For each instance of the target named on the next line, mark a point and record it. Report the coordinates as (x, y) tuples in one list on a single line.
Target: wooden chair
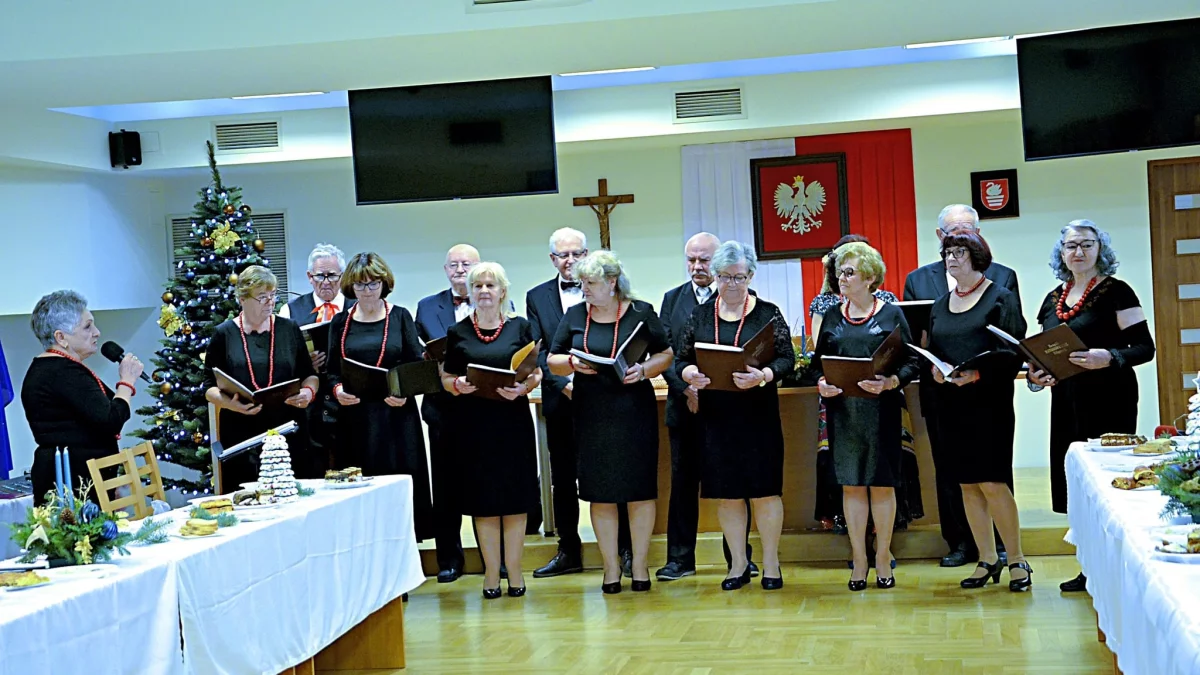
[(134, 501), (150, 478)]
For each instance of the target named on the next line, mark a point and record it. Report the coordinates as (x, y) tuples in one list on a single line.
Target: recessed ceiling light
[(951, 43), (302, 93), (609, 71)]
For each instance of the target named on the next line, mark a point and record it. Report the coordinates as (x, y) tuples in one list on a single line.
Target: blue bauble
[(88, 511), (109, 531), (190, 275)]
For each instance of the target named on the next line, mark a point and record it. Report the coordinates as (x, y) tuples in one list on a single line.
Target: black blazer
[(435, 316), (676, 308), (302, 307), (544, 307), (928, 282)]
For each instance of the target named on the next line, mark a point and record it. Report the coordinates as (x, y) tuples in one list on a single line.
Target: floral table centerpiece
[(77, 532)]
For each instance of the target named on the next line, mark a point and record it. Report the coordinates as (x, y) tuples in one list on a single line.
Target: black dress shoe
[(753, 568), (627, 564), (515, 592), (611, 589), (992, 572), (449, 575), (561, 563), (957, 558), (772, 583), (1076, 585), (674, 570), (640, 586), (734, 583), (491, 593), (1019, 585)]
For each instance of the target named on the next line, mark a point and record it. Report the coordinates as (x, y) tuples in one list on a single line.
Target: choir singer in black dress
[(975, 407), (742, 433), (1107, 316), (382, 437), (67, 404), (865, 434), (259, 349), (494, 440), (616, 421)]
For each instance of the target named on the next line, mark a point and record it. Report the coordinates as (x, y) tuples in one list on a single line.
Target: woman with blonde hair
[(616, 418), (495, 438), (259, 349)]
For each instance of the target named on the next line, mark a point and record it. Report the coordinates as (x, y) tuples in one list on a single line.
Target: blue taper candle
[(58, 477), (66, 460)]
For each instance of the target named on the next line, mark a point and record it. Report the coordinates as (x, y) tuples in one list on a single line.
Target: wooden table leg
[(1100, 635), (376, 643)]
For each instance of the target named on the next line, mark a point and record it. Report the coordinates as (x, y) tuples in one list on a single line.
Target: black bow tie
[(568, 285), (461, 300)]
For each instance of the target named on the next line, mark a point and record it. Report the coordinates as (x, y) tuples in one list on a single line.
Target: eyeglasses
[(737, 280), (846, 272), (268, 298), (569, 254), (326, 277), (958, 252), (369, 286), (1072, 246), (459, 265), (698, 261)]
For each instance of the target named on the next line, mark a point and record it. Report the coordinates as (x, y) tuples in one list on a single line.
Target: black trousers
[(683, 510), (564, 486), (447, 519), (951, 511)]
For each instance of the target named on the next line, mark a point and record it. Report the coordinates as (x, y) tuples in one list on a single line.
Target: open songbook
[(252, 442), (271, 396), (630, 352), (720, 362), (488, 379), (976, 362), (845, 372), (1049, 351), (316, 336), (372, 383)]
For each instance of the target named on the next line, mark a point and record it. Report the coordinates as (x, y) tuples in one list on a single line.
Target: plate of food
[(1115, 442), (250, 500), (214, 505), (1155, 448), (345, 479), (1143, 478), (1178, 545), (197, 528), (22, 581)]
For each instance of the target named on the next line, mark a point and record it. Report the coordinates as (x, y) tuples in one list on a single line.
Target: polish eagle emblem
[(800, 204)]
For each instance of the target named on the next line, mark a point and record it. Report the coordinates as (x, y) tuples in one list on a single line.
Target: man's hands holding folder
[(874, 387)]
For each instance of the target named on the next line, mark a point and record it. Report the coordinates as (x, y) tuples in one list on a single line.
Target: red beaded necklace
[(587, 328), (963, 294), (382, 346), (1077, 307), (91, 372), (737, 337), (859, 322), (241, 322), (479, 334)]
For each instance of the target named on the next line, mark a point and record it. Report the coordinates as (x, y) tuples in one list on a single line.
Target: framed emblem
[(800, 204), (994, 194)]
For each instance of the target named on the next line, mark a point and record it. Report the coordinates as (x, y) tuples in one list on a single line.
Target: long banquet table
[(258, 598), (1147, 608)]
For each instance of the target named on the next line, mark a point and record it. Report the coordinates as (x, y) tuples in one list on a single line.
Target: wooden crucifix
[(603, 205)]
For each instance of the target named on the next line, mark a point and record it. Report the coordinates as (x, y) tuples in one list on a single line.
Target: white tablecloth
[(1149, 609), (258, 598), (12, 511)]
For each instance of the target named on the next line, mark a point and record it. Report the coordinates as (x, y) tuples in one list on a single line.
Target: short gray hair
[(606, 265), (326, 251), (564, 232), (60, 310), (1106, 260), (957, 208), (733, 252)]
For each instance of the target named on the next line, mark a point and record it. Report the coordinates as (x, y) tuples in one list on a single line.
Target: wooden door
[(1175, 256)]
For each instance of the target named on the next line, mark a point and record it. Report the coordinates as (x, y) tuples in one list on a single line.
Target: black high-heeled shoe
[(611, 589), (491, 593), (516, 591), (772, 583), (734, 583), (857, 585), (993, 573), (639, 585), (885, 582), (1019, 585)]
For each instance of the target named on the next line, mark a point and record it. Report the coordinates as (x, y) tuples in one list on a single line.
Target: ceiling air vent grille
[(247, 136), (709, 105)]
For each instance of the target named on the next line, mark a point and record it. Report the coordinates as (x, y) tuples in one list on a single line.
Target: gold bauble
[(168, 296), (233, 278), (187, 329), (197, 438), (164, 388), (260, 245), (157, 376), (206, 242), (229, 209)]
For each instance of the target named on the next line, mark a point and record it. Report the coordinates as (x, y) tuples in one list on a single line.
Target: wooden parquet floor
[(927, 625)]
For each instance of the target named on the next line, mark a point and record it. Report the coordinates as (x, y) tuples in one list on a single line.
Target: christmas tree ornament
[(229, 209), (245, 209), (224, 238), (197, 438), (157, 376), (168, 297), (260, 245), (169, 320), (206, 242), (233, 279), (189, 275), (164, 388), (187, 329)]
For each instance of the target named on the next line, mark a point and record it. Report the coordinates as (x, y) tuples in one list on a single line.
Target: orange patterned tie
[(327, 311)]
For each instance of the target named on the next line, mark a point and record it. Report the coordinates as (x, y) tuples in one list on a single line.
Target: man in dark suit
[(683, 427), (931, 282), (435, 315), (325, 265)]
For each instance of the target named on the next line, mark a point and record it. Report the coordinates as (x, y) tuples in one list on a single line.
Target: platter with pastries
[(214, 505), (1178, 544), (252, 500), (1143, 478), (1115, 442), (21, 581), (346, 479), (1156, 448), (198, 528)]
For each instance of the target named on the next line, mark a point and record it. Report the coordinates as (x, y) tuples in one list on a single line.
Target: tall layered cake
[(275, 469)]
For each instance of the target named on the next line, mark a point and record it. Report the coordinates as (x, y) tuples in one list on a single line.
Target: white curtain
[(717, 199)]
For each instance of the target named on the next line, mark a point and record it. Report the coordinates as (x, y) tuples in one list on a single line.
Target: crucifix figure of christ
[(603, 205)]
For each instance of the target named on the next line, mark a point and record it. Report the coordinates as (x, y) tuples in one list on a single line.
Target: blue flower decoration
[(109, 531), (88, 511)]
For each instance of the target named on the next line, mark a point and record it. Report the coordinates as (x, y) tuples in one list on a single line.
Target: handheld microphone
[(113, 352)]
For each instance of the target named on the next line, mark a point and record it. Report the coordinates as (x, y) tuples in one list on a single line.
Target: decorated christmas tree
[(198, 298)]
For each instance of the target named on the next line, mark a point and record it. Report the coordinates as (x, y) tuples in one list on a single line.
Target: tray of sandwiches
[(1155, 448), (1143, 478), (198, 527), (1178, 544), (1115, 442), (343, 479)]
